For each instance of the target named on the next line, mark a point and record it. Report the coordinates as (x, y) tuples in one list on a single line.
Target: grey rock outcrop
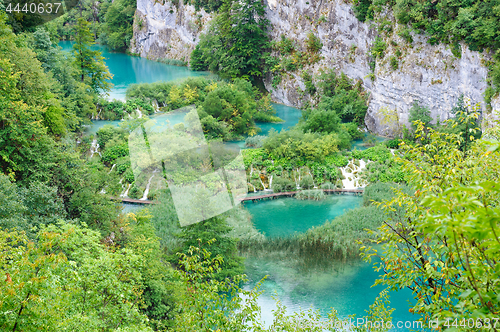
[(163, 30), (431, 75)]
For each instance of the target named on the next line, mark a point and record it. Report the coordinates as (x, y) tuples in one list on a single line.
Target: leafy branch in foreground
[(445, 247)]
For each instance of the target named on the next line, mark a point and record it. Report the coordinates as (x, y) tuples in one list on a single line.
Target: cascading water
[(254, 190), (156, 107), (146, 191), (125, 194), (111, 170), (94, 148), (263, 186), (351, 174), (314, 184)]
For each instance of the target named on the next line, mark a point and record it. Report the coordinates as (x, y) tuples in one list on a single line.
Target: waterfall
[(254, 190), (352, 178), (112, 168), (146, 191), (271, 182), (125, 194), (94, 148), (295, 179), (263, 186), (155, 106), (312, 177), (140, 113)]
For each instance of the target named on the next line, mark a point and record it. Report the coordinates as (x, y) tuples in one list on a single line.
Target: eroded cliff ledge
[(431, 75)]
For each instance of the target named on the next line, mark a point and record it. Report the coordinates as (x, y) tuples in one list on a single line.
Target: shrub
[(282, 185), (378, 192), (328, 185), (255, 141), (313, 43), (112, 153), (135, 192), (394, 63), (307, 182), (393, 143), (337, 159), (363, 10), (378, 48), (314, 194), (310, 88), (286, 46), (419, 113), (406, 35)]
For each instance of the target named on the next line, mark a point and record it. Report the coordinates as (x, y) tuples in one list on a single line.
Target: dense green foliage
[(342, 101), (450, 258), (477, 23), (69, 279), (226, 110), (110, 22), (90, 63), (235, 43), (118, 24), (71, 261)]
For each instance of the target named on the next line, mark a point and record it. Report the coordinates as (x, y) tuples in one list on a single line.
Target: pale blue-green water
[(128, 70), (285, 216), (346, 286)]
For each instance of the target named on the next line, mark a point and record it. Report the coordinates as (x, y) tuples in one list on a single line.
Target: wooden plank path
[(256, 197), (133, 201), (292, 193)]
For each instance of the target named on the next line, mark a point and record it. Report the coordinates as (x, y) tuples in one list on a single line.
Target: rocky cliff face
[(164, 30), (431, 75)]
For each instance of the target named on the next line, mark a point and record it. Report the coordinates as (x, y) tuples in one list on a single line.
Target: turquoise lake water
[(346, 286), (279, 217), (128, 70)]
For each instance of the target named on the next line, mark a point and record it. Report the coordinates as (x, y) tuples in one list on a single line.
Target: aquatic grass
[(313, 194), (338, 239), (173, 62)]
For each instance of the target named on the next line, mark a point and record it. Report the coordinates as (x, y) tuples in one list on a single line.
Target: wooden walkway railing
[(292, 193), (256, 197), (133, 201)]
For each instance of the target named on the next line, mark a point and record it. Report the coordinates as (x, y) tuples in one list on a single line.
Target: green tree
[(235, 44), (68, 280), (464, 122), (91, 67), (212, 235), (444, 245), (419, 113), (118, 27)]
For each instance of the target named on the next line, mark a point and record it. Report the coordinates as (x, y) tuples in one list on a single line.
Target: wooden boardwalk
[(292, 193), (256, 197), (133, 201)]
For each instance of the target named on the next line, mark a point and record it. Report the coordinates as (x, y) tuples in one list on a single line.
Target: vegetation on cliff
[(477, 23)]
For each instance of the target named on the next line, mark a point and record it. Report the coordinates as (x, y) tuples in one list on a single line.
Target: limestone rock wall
[(167, 30), (431, 75)]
